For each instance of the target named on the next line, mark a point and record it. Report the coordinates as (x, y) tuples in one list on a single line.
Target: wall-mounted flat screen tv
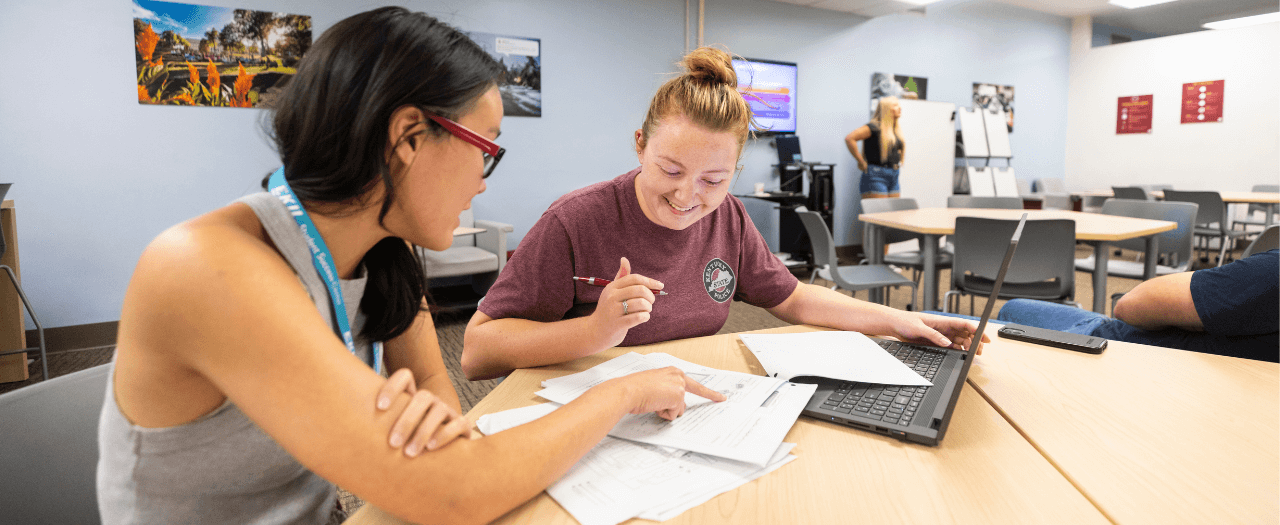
[(769, 87)]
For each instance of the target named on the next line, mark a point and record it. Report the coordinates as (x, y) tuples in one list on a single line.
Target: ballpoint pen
[(596, 281)]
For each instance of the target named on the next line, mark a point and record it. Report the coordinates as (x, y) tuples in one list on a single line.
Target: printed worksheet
[(619, 479)]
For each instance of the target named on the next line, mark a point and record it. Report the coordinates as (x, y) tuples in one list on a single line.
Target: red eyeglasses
[(492, 152)]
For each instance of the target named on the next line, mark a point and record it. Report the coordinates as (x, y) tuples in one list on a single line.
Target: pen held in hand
[(596, 281)]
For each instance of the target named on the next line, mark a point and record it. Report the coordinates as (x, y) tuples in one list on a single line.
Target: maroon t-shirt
[(585, 233)]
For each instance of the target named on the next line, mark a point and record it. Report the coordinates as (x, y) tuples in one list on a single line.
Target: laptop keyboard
[(892, 404)]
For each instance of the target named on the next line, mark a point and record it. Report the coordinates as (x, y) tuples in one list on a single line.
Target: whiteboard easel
[(973, 132), (997, 134)]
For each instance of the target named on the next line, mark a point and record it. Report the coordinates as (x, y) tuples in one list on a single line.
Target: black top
[(871, 148)]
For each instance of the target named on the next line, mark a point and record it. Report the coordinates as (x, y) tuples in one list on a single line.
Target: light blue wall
[(97, 176), (954, 45)]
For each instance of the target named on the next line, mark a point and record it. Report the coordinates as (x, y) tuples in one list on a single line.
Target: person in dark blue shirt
[(1231, 310)]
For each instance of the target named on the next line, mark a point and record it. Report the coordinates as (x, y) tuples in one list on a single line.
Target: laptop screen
[(995, 289)]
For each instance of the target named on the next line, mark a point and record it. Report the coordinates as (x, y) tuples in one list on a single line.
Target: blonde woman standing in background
[(882, 151)]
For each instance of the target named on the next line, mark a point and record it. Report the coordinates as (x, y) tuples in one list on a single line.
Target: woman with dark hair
[(244, 381), (668, 225)]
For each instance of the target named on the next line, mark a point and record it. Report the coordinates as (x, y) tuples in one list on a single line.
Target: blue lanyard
[(323, 261)]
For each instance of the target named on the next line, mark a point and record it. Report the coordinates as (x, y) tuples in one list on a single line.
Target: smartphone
[(1081, 343)]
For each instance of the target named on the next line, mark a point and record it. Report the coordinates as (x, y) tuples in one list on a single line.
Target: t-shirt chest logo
[(719, 280)]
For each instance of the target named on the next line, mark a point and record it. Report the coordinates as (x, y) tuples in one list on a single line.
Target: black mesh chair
[(852, 278), (1211, 220), (44, 356), (1129, 192), (1043, 267), (908, 259), (50, 458)]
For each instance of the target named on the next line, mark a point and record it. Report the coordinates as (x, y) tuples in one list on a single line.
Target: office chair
[(910, 259), (49, 455), (1054, 193), (13, 277), (852, 278), (1042, 268), (1211, 220)]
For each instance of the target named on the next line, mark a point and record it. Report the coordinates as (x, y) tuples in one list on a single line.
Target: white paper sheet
[(848, 356), (619, 479), (740, 428)]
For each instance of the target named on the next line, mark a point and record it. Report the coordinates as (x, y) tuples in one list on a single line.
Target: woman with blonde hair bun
[(882, 152), (668, 225)]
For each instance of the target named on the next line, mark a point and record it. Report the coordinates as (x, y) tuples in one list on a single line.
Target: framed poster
[(1133, 114), (521, 58), (1202, 101), (195, 55), (901, 86), (995, 98)]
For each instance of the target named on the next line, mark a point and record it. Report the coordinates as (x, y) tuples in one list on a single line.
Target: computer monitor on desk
[(788, 149)]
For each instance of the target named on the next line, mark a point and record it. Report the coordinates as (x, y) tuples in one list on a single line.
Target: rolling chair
[(1043, 267), (852, 278), (44, 355), (50, 458)]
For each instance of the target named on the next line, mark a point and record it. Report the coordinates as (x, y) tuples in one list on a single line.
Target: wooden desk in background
[(1271, 199), (13, 325), (1093, 228), (983, 472), (1148, 434)]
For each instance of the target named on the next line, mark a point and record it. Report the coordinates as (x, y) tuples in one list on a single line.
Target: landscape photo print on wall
[(900, 86), (195, 55), (521, 59)]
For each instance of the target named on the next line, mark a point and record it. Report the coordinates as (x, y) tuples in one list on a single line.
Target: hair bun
[(710, 65)]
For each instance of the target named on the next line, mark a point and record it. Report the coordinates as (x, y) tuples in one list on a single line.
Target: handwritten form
[(848, 356)]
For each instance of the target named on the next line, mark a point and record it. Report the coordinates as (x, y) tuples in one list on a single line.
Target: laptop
[(915, 414)]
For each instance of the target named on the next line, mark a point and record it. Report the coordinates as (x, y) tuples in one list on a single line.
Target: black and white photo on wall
[(521, 58), (994, 98)]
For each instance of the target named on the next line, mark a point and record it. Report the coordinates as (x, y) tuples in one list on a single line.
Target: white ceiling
[(1181, 16)]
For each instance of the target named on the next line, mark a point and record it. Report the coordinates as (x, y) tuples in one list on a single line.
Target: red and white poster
[(1133, 115), (1202, 101)]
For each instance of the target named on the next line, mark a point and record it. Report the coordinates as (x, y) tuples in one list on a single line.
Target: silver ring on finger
[(624, 307)]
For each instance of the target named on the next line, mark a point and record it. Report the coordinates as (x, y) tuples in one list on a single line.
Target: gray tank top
[(220, 468)]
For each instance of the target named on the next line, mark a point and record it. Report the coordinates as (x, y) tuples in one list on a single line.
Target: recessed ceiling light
[(1134, 4), (1243, 21)]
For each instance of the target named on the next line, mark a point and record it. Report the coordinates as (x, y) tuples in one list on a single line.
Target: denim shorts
[(879, 180)]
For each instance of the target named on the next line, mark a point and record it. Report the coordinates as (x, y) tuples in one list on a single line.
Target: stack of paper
[(656, 469)]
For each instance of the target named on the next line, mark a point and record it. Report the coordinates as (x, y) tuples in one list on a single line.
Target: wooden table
[(1271, 199), (1094, 228), (983, 472), (1149, 435), (466, 230)]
